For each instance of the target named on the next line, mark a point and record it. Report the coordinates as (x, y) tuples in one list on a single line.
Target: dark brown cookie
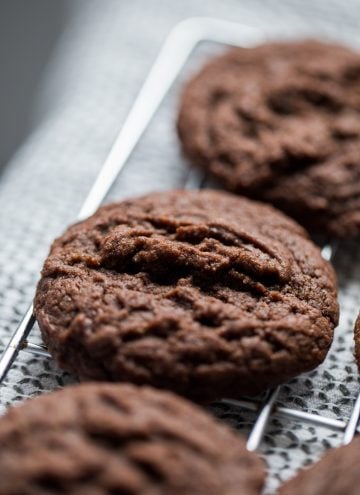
[(337, 473), (281, 123), (357, 340), (203, 293), (103, 439)]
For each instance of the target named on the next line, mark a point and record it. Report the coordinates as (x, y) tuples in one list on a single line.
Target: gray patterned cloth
[(98, 67)]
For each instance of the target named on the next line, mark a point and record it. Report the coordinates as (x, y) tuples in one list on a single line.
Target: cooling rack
[(178, 47)]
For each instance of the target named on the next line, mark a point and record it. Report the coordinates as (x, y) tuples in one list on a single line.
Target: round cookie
[(357, 340), (200, 292), (102, 439), (281, 123), (336, 474)]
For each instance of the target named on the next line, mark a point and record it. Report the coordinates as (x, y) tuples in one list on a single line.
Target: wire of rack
[(176, 50)]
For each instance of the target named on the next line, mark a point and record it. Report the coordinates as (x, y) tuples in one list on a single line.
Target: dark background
[(29, 30)]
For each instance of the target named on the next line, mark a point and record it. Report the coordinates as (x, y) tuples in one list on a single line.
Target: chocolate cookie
[(336, 474), (203, 293), (121, 440), (357, 340), (281, 123)]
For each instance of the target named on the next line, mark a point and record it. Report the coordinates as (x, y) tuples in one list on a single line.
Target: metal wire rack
[(175, 52)]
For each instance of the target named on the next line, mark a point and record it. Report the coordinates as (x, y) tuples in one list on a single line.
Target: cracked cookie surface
[(200, 292), (281, 123), (112, 439)]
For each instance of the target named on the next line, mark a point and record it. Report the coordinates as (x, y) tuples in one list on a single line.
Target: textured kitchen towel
[(97, 68)]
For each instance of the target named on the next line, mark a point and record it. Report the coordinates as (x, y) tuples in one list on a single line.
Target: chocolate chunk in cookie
[(281, 123), (203, 293), (102, 439)]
